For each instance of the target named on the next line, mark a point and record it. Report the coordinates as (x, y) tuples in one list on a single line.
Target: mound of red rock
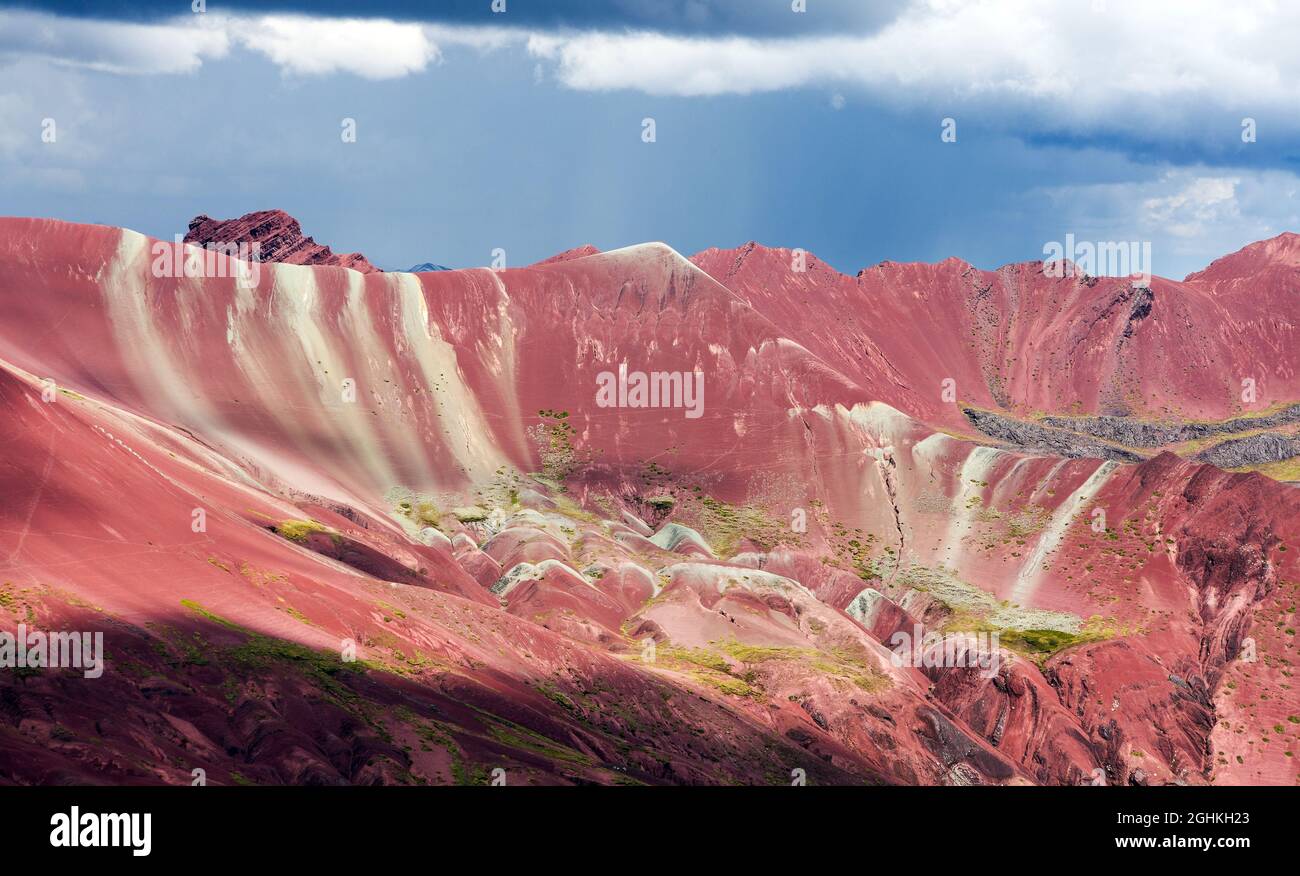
[(278, 236)]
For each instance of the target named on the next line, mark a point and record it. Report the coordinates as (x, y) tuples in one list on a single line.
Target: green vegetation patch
[(736, 687), (298, 530), (1043, 642), (724, 525), (260, 653), (760, 654), (559, 458), (701, 657), (842, 664), (516, 736)]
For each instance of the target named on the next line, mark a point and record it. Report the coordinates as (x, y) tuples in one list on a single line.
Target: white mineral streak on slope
[(155, 373), (191, 294), (1008, 485), (1040, 491), (887, 424), (626, 567), (865, 606), (469, 438), (382, 374), (671, 536), (166, 381), (1031, 572), (296, 303), (245, 302), (722, 578), (849, 444), (932, 449), (506, 368), (259, 353), (893, 435), (521, 572), (975, 470), (637, 524)]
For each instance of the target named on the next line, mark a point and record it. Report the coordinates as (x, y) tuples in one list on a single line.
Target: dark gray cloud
[(712, 17)]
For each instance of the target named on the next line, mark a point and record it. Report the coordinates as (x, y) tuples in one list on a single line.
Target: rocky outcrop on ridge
[(279, 238)]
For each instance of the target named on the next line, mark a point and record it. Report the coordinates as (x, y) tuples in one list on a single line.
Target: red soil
[(551, 626)]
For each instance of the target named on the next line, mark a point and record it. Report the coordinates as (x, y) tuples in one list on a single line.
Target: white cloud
[(1135, 64), (1203, 201), (664, 64), (112, 47), (483, 39), (371, 48), (1150, 68), (1187, 214)]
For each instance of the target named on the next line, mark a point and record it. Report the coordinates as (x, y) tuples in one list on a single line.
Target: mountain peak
[(724, 264), (578, 252), (1282, 251), (278, 236)]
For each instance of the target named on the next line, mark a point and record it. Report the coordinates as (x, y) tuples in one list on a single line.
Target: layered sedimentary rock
[(242, 485), (278, 237)]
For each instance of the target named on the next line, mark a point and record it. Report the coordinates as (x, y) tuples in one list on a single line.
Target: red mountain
[(424, 469), (1018, 340), (278, 236)]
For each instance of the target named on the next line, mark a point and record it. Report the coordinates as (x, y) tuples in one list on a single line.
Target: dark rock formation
[(1252, 450), (1138, 433), (278, 236), (1042, 439)]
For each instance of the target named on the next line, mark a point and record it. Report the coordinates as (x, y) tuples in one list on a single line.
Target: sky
[(524, 128)]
